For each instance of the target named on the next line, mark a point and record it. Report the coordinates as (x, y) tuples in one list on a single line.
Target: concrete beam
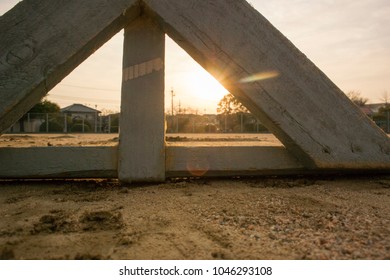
[(58, 162), (187, 161), (209, 161), (308, 113), (42, 41), (142, 120), (102, 162)]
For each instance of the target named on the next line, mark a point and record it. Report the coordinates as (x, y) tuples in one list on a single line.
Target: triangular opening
[(199, 109), (196, 89), (88, 105), (94, 88), (96, 82)]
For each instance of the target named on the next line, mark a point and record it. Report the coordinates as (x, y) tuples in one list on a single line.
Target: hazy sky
[(349, 40)]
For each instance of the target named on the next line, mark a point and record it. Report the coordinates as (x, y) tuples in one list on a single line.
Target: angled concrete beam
[(42, 41), (309, 114)]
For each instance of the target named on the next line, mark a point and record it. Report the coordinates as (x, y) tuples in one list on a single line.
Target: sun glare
[(204, 86), (193, 86)]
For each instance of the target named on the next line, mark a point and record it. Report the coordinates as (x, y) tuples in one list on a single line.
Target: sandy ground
[(42, 140), (237, 218)]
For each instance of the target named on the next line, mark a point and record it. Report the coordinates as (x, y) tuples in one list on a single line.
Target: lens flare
[(198, 166), (260, 77)]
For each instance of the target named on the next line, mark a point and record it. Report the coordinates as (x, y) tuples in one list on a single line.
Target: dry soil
[(233, 218)]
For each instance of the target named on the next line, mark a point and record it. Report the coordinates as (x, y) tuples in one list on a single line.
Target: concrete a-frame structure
[(44, 40)]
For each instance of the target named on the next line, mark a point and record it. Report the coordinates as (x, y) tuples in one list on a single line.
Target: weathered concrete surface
[(142, 132), (42, 41), (212, 160), (59, 162), (316, 122), (102, 162)]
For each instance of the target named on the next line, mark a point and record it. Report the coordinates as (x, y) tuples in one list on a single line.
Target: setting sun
[(204, 86), (193, 86)]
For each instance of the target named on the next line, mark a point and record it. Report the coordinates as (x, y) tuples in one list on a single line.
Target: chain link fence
[(184, 123), (65, 123)]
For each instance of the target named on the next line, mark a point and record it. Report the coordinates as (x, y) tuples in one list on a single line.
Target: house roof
[(79, 108)]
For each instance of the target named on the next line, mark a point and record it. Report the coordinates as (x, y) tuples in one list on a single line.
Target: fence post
[(142, 133), (96, 122), (65, 123), (28, 123), (109, 123), (47, 122)]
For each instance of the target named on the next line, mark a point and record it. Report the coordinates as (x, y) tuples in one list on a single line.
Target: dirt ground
[(233, 218), (42, 140)]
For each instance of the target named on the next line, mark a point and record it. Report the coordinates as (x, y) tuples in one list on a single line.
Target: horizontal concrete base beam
[(181, 161), (101, 162), (229, 161), (58, 162)]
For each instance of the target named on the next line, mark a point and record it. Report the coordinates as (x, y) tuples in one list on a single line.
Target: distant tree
[(80, 127), (232, 114), (114, 123), (356, 98), (230, 105), (382, 118), (106, 112), (384, 109), (45, 106), (53, 126)]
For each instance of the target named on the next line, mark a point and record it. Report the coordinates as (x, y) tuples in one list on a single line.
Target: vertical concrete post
[(142, 132)]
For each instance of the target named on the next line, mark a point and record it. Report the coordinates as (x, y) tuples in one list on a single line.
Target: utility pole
[(172, 95), (173, 122)]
